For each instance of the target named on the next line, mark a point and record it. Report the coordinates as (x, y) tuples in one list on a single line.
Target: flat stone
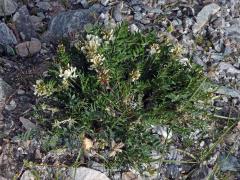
[(228, 68), (11, 106), (44, 5), (27, 124), (228, 91), (7, 7), (117, 12), (28, 48), (67, 23), (5, 91), (6, 35), (27, 175), (204, 15), (83, 173), (105, 2), (24, 24), (84, 3)]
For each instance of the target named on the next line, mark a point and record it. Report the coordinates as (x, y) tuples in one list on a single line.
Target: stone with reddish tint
[(28, 48)]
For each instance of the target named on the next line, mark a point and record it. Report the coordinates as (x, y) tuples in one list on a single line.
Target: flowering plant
[(112, 87)]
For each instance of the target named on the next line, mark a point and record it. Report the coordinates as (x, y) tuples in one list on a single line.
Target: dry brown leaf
[(87, 144), (116, 148)]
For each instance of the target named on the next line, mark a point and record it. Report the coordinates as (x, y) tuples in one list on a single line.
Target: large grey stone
[(83, 173), (7, 7), (24, 24), (80, 173), (28, 48), (204, 15), (6, 35), (67, 23), (228, 92), (228, 68), (233, 31)]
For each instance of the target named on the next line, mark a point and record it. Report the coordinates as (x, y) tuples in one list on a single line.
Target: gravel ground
[(208, 31)]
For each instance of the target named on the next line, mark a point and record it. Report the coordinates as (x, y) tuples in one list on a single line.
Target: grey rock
[(217, 57), (5, 91), (199, 60), (37, 22), (204, 15), (229, 163), (228, 91), (44, 5), (27, 175), (84, 3), (98, 167), (24, 24), (7, 7), (70, 22), (28, 48), (27, 124), (155, 10), (233, 31), (11, 106), (6, 35), (138, 16), (117, 12), (83, 173), (105, 2), (228, 68), (173, 169), (201, 173), (134, 28)]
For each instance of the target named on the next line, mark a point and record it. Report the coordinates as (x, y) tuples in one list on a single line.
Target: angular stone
[(27, 124), (67, 23), (28, 48), (24, 24), (223, 66), (228, 91), (204, 15), (6, 35), (5, 91), (233, 31), (7, 7), (27, 175)]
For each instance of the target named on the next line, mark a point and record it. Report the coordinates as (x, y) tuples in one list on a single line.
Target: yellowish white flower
[(109, 35), (97, 60), (177, 50), (70, 122), (135, 75), (155, 48), (91, 45), (69, 73), (103, 76), (184, 61), (41, 89)]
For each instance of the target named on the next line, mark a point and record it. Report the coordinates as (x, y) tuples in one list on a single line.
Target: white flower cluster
[(109, 35), (90, 50), (41, 89), (69, 73), (91, 45), (155, 48), (135, 75), (66, 74)]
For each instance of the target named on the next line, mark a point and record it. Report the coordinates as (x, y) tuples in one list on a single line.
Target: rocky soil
[(208, 31)]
